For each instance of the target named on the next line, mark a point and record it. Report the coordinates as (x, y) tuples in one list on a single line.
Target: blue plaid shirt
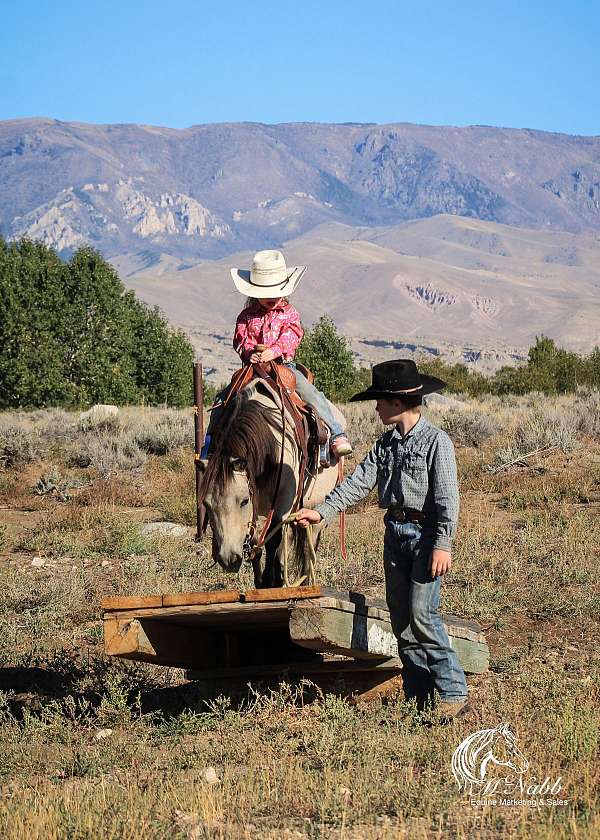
[(415, 471)]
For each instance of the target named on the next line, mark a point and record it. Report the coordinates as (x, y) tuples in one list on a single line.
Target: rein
[(283, 526)]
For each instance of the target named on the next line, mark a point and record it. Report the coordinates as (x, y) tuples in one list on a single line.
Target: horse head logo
[(473, 757)]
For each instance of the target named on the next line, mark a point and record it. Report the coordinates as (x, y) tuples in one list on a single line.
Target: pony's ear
[(238, 464)]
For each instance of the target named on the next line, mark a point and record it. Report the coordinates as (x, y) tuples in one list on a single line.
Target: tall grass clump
[(108, 454), (544, 427), (172, 430), (18, 444), (470, 428)]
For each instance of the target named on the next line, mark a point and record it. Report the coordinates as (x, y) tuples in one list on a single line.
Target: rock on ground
[(442, 402), (99, 412), (169, 529)]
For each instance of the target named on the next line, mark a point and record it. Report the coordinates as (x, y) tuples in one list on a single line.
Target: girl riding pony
[(269, 329)]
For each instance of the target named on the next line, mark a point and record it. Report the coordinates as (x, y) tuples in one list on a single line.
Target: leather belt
[(402, 514)]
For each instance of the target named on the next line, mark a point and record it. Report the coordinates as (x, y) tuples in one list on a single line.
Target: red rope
[(343, 551)]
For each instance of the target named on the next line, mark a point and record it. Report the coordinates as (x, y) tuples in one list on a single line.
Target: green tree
[(328, 355), (549, 369), (458, 378), (32, 305), (592, 375), (98, 332), (162, 357), (71, 335)]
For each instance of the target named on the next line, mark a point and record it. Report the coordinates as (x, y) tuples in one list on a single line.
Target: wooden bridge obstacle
[(341, 641)]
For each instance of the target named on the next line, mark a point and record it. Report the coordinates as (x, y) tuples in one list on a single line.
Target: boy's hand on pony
[(306, 517)]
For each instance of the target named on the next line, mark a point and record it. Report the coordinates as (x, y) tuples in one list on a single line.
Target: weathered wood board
[(270, 628)]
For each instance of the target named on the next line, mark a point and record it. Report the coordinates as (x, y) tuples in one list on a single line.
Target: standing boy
[(414, 468)]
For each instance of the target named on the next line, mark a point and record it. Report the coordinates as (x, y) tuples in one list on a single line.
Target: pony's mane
[(245, 434)]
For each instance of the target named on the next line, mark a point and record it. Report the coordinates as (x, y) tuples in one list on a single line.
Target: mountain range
[(462, 241), (210, 190)]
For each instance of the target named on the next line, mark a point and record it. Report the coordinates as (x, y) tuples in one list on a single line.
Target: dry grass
[(288, 765)]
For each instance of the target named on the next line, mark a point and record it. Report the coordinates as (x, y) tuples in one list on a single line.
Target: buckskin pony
[(255, 471)]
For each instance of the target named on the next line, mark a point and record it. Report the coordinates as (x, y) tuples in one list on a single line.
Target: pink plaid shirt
[(280, 329)]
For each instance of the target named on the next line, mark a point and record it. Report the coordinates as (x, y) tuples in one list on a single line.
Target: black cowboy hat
[(396, 379)]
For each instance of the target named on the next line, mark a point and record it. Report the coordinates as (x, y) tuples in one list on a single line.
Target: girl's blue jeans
[(413, 597), (317, 399)]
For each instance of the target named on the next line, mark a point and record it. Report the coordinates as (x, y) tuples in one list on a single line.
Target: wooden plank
[(392, 666), (357, 681), (462, 628), (219, 596), (473, 656), (353, 609), (342, 632), (457, 627), (282, 593), (131, 602), (297, 593), (231, 614), (140, 602), (366, 635)]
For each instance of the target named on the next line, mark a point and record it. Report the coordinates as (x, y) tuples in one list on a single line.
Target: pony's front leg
[(256, 568), (271, 576)]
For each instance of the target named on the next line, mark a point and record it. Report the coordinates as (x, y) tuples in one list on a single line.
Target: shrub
[(586, 409), (470, 428), (101, 422), (458, 378), (107, 454), (73, 336), (363, 424), (18, 445), (543, 428), (172, 431)]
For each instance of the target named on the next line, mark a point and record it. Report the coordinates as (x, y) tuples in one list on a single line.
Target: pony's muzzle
[(230, 561)]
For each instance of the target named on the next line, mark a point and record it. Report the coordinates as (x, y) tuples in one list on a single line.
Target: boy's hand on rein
[(255, 358), (441, 562), (306, 517)]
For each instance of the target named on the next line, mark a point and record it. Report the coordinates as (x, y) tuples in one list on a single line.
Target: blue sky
[(523, 64)]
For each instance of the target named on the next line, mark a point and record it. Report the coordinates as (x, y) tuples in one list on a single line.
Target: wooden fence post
[(198, 442)]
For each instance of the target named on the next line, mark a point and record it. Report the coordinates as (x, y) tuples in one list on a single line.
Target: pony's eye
[(244, 502)]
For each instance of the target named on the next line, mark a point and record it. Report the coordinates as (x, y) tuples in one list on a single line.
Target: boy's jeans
[(413, 599), (316, 398)]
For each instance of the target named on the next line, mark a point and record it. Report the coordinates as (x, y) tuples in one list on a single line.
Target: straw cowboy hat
[(269, 276), (397, 379)]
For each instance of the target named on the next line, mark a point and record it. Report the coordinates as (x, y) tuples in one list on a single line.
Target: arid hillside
[(467, 289)]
